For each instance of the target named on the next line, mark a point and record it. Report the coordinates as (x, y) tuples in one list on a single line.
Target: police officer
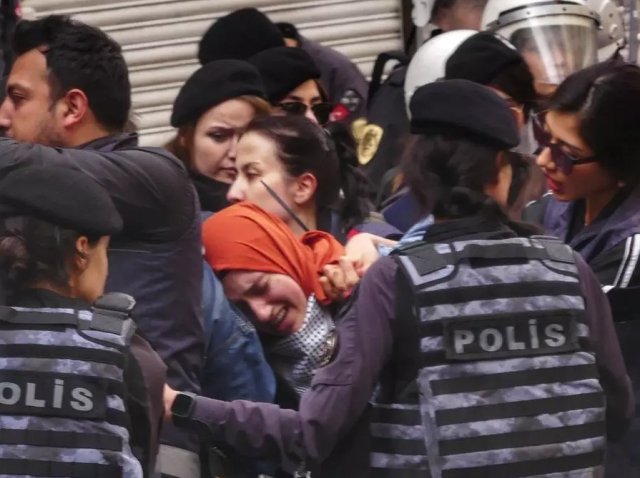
[(491, 353), (346, 85), (80, 392), (382, 138)]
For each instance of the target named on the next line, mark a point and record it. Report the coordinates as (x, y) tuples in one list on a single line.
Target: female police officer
[(497, 373), (80, 393)]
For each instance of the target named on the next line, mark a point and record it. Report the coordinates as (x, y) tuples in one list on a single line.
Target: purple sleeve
[(339, 392), (613, 373)]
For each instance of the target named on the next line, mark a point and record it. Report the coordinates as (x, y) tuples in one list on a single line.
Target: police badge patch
[(351, 100), (368, 147)]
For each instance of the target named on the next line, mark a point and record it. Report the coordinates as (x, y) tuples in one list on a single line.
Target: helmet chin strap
[(286, 208)]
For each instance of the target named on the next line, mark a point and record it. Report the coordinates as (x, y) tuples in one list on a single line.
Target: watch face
[(182, 405)]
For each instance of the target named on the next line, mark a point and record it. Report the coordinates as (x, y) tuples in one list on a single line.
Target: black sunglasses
[(564, 161), (321, 111)]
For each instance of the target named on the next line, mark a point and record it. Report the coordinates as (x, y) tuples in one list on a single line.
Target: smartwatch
[(182, 407)]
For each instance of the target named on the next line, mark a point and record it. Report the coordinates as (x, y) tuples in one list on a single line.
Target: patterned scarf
[(296, 358)]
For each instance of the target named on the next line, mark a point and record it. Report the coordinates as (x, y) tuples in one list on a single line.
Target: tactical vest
[(62, 392), (493, 375)]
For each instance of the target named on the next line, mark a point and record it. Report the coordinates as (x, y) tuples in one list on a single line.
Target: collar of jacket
[(619, 220), (211, 192), (112, 142), (474, 227), (43, 298)]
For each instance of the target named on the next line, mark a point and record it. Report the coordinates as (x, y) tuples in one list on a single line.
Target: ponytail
[(448, 173), (355, 206)]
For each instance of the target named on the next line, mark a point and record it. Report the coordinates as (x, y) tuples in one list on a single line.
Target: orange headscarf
[(245, 237)]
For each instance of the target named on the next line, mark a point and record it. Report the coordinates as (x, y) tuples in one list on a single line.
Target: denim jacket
[(234, 366)]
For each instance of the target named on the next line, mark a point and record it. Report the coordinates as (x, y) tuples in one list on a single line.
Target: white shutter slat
[(160, 37)]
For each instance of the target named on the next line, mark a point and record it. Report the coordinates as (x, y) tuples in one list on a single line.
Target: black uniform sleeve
[(144, 378), (613, 374), (151, 191)]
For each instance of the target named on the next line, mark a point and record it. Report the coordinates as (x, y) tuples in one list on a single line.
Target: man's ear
[(75, 107), (304, 188)]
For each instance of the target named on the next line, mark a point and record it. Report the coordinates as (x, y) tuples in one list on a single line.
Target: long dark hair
[(330, 155), (606, 97), (448, 172), (33, 250)]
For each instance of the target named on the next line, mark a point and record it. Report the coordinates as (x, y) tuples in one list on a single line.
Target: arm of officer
[(613, 373), (142, 183), (338, 395)]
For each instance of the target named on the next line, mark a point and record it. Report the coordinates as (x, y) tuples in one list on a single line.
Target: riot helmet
[(611, 35), (556, 39), (428, 64)]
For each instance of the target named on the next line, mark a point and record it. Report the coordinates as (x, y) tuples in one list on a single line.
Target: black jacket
[(157, 259)]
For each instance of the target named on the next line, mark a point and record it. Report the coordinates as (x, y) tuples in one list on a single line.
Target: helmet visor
[(555, 48)]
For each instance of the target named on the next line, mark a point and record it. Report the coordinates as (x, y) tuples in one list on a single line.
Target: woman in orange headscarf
[(276, 278)]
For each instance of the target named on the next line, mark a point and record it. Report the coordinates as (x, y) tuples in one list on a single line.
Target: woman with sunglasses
[(591, 159), (292, 82)]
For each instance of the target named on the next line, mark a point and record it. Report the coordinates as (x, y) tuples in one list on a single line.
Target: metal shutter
[(159, 38)]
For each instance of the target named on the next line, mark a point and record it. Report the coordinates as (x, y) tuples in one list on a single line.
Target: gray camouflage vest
[(62, 395), (506, 386)]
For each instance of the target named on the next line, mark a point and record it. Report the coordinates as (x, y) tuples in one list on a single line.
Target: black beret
[(288, 30), (481, 58), (238, 36), (283, 69), (213, 84), (64, 197), (465, 107)]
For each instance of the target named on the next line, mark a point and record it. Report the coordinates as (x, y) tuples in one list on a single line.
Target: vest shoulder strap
[(110, 313), (419, 260)]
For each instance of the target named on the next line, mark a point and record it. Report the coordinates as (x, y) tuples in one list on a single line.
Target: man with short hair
[(69, 88)]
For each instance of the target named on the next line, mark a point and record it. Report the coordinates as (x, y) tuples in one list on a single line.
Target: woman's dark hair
[(517, 82), (606, 98), (355, 185), (447, 173), (33, 250), (304, 147)]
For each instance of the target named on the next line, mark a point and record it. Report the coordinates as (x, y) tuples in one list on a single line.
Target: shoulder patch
[(368, 147), (351, 99)]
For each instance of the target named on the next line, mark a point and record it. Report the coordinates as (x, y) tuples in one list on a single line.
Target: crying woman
[(275, 278)]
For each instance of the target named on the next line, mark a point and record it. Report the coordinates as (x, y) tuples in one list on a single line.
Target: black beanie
[(283, 69), (213, 84), (288, 30), (64, 197), (481, 58), (238, 36), (466, 107)]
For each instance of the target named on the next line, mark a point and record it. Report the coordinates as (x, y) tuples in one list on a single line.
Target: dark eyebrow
[(571, 146), (293, 98), (258, 287), (250, 164)]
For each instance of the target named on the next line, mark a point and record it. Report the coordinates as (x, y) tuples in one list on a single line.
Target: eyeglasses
[(563, 160), (321, 111)]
